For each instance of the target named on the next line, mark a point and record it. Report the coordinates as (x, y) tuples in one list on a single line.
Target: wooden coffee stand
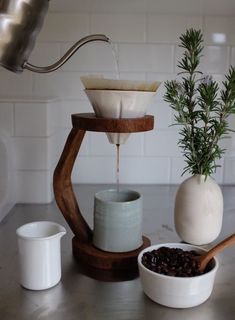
[(83, 249)]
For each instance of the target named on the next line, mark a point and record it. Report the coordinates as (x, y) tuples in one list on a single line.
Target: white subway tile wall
[(33, 126), (7, 118), (147, 49), (120, 27), (64, 27), (168, 28)]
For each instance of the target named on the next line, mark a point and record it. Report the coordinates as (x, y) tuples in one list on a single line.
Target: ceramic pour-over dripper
[(119, 99)]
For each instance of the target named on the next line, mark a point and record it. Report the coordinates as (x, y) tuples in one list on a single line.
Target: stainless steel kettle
[(20, 23)]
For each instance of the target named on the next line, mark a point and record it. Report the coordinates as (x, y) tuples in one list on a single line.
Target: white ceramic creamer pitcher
[(39, 254)]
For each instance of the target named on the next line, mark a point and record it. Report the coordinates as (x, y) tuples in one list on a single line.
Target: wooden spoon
[(206, 257)]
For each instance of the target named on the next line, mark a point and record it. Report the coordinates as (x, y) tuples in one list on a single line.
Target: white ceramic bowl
[(119, 104), (176, 292)]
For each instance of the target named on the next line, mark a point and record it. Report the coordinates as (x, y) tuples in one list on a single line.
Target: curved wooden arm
[(63, 190)]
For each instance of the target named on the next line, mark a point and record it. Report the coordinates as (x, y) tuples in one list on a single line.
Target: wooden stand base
[(114, 264), (87, 254), (107, 275)]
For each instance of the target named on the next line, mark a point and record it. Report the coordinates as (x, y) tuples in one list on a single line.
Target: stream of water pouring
[(115, 56)]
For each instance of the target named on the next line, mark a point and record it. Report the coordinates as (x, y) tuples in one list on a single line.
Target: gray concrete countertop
[(80, 297)]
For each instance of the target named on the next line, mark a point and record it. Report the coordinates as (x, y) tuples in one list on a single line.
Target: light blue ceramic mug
[(118, 220)]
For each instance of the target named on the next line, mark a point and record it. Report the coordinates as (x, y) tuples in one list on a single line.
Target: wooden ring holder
[(83, 248)]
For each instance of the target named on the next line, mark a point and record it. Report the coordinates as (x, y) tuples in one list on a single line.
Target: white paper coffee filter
[(119, 104), (114, 98), (100, 83)]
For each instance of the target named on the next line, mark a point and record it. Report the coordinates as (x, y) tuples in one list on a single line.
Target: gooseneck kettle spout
[(67, 55), (20, 23)]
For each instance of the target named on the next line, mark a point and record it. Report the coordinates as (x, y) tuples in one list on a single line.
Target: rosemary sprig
[(201, 108)]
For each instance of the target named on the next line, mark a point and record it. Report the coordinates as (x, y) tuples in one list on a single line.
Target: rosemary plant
[(201, 108)]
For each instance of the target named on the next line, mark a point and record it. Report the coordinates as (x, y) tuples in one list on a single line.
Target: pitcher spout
[(62, 232)]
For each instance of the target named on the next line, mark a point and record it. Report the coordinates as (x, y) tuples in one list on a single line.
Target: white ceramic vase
[(198, 210)]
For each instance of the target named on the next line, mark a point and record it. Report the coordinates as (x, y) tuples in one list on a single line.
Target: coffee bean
[(173, 262)]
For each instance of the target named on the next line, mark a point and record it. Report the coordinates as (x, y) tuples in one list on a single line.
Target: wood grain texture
[(87, 254), (89, 122), (83, 248), (110, 275), (63, 190)]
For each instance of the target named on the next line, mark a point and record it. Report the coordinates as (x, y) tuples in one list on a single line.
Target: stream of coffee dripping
[(118, 166)]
